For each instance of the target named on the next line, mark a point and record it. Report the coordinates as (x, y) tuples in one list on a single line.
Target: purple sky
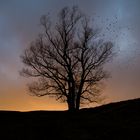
[(118, 20)]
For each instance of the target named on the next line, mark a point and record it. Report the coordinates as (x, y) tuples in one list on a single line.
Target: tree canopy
[(67, 59)]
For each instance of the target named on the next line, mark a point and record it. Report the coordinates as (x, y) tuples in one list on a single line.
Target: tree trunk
[(71, 105), (78, 103)]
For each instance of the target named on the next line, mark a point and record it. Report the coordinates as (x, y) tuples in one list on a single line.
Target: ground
[(115, 121)]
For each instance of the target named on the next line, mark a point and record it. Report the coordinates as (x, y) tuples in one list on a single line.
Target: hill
[(115, 121)]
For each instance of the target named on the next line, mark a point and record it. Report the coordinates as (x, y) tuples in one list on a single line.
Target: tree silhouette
[(67, 59)]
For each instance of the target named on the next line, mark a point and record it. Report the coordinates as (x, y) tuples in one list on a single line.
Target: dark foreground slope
[(116, 121)]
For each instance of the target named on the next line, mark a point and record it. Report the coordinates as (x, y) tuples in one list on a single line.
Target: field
[(115, 121)]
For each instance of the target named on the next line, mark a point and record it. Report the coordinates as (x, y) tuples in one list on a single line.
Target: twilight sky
[(119, 21)]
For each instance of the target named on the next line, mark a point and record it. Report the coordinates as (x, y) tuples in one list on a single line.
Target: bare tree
[(67, 59)]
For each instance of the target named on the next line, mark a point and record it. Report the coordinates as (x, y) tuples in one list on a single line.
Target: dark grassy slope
[(114, 121)]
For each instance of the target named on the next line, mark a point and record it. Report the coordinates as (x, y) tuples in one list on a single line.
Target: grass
[(115, 121)]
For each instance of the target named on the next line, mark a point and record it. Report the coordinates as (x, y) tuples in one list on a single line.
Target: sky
[(119, 21)]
